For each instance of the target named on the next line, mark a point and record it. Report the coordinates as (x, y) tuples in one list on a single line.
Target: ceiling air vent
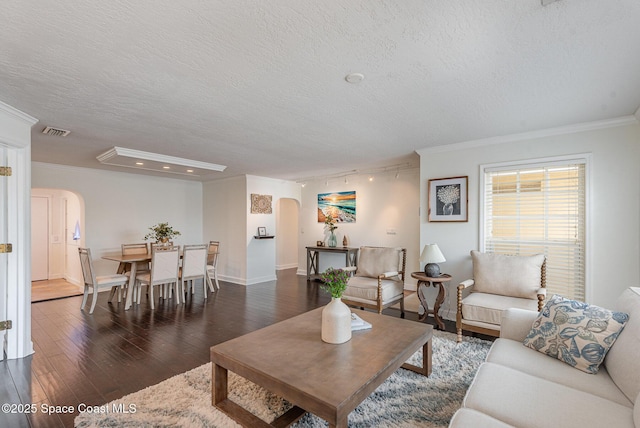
[(56, 132)]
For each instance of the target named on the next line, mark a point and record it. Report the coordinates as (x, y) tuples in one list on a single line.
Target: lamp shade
[(432, 254)]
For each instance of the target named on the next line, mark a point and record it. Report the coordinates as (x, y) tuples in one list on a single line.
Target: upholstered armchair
[(499, 282), (378, 280)]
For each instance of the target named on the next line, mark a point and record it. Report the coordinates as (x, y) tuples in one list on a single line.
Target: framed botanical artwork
[(262, 231), (448, 199)]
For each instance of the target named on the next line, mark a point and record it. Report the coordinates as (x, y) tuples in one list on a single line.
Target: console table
[(313, 258), (438, 283)]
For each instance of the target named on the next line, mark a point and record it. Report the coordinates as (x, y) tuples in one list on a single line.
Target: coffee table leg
[(426, 361), (220, 399), (219, 386)]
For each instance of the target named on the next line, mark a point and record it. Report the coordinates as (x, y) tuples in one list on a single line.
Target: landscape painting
[(341, 206)]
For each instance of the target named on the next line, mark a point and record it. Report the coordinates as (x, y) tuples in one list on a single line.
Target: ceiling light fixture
[(120, 156), (354, 78)]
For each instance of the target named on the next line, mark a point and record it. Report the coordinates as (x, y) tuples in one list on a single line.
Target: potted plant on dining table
[(162, 233)]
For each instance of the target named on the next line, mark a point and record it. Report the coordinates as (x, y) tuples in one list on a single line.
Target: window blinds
[(540, 209)]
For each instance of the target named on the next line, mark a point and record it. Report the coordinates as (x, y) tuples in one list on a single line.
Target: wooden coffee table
[(291, 360)]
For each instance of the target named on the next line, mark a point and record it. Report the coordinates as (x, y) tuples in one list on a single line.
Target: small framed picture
[(262, 231), (319, 244), (448, 199)]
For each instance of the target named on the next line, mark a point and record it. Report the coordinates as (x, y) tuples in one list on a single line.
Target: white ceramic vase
[(336, 322)]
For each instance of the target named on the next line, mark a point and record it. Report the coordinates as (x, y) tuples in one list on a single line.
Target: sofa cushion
[(374, 261), (488, 308), (465, 418), (366, 289), (576, 333), (622, 361), (526, 401), (516, 276), (511, 353)]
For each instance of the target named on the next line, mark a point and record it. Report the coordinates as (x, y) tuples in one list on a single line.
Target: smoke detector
[(55, 132)]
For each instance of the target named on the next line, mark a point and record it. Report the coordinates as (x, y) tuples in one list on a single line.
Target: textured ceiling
[(259, 86)]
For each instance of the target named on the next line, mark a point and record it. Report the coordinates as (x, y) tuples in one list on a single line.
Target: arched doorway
[(57, 233)]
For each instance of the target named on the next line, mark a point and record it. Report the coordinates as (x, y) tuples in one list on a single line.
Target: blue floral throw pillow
[(576, 333)]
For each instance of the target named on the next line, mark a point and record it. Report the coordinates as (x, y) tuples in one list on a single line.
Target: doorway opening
[(57, 224), (287, 213)]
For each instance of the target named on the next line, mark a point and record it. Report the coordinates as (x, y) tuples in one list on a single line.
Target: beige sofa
[(518, 386)]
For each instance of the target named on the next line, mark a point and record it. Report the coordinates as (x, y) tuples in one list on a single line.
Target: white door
[(4, 258), (39, 238)]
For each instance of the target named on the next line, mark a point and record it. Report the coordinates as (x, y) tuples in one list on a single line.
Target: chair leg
[(402, 308), (151, 299), (215, 278), (113, 292), (84, 298), (94, 300), (177, 292), (209, 283), (138, 290)]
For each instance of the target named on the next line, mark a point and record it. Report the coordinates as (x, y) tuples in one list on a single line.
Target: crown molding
[(560, 130), (6, 108)]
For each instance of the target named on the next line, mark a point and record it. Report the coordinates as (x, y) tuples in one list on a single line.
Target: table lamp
[(431, 255)]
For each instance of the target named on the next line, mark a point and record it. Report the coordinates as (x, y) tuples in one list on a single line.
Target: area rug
[(405, 399)]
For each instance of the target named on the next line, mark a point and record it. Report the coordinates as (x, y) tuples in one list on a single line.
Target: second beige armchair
[(499, 282)]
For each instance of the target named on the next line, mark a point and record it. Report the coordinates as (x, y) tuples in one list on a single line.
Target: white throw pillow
[(514, 276), (374, 261)]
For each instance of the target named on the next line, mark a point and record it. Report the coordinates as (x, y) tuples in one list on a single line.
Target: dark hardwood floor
[(93, 359)]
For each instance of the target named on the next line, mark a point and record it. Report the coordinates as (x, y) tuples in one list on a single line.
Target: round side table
[(438, 282)]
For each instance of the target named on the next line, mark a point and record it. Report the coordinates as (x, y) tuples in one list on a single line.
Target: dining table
[(134, 260)]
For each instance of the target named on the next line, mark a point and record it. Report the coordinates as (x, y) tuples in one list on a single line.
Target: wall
[(387, 215), (120, 207), (244, 259), (613, 229), (225, 220)]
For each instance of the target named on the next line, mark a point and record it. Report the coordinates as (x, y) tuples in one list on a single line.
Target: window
[(539, 208)]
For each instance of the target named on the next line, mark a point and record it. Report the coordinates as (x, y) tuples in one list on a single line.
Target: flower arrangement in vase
[(161, 232), (336, 316), (330, 224)]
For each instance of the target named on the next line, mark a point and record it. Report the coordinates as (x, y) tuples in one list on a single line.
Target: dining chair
[(125, 268), (94, 282), (160, 244), (194, 266), (212, 264), (164, 272)]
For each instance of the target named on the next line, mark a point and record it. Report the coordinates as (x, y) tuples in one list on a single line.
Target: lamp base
[(432, 270)]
